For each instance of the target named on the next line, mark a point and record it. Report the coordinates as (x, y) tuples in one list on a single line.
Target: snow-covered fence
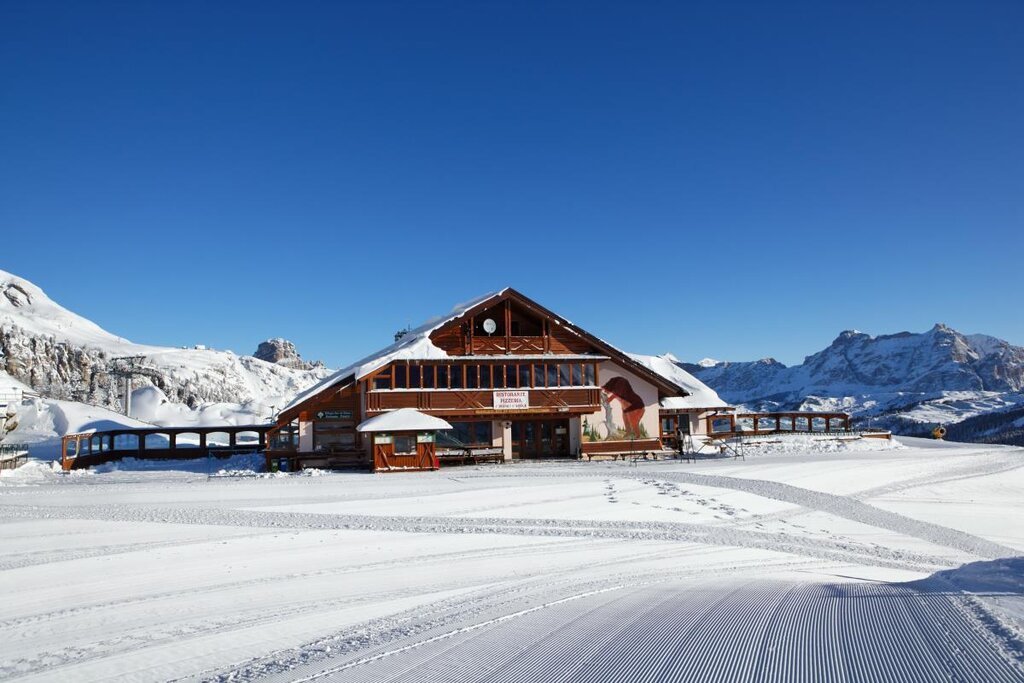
[(12, 455)]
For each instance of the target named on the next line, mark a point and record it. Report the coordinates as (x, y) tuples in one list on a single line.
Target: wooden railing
[(786, 422), (481, 402)]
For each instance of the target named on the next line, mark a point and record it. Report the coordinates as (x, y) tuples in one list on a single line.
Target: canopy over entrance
[(403, 420)]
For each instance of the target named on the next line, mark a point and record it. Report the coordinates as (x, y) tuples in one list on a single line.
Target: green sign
[(425, 437), (334, 415)]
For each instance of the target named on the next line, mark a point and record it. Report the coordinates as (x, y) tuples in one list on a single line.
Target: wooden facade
[(556, 375)]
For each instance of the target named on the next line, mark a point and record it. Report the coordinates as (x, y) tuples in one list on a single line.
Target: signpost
[(511, 399), (334, 415)]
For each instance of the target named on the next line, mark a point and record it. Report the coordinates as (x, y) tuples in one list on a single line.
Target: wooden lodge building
[(500, 377)]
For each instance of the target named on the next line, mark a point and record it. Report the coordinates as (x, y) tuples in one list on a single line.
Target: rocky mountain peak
[(282, 352)]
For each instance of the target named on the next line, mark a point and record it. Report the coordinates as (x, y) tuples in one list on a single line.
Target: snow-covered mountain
[(905, 381), (61, 355)]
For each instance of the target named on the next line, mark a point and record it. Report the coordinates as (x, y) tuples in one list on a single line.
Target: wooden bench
[(470, 456), (632, 456)]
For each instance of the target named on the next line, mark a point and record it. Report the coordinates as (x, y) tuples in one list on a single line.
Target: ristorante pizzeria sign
[(511, 400)]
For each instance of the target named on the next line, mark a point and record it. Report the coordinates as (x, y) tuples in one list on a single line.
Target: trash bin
[(282, 465)]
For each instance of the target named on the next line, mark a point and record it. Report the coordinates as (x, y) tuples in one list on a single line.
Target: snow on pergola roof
[(699, 396), (403, 420)]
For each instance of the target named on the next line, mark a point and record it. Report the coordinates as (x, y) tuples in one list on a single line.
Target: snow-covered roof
[(700, 394), (403, 420), (414, 345)]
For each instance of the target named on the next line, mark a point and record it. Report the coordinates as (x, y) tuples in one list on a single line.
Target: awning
[(403, 420)]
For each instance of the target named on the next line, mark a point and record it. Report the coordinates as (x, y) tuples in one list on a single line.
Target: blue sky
[(733, 180)]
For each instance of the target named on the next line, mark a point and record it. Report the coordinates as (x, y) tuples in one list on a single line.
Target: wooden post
[(508, 328)]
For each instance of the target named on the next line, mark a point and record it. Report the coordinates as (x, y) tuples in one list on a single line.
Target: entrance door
[(540, 438)]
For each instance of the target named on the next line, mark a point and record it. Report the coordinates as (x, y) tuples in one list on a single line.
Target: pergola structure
[(95, 448)]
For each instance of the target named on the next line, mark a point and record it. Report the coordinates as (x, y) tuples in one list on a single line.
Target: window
[(414, 377), (382, 380), (442, 376), (577, 375), (428, 376), (287, 437), (471, 376), (499, 376), (668, 425), (485, 376), (405, 444), (334, 435), (538, 375), (564, 371), (401, 377), (463, 434), (552, 375), (455, 377), (590, 374), (524, 376)]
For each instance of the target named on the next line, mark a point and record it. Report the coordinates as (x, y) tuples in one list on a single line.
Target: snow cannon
[(939, 433)]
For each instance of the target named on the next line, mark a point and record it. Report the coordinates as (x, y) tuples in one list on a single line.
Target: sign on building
[(511, 400)]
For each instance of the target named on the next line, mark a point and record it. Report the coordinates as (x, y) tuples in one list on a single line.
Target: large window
[(334, 435), (465, 434), (473, 376)]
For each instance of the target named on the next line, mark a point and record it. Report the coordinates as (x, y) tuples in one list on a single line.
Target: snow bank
[(42, 422), (1005, 575), (235, 465), (151, 405)]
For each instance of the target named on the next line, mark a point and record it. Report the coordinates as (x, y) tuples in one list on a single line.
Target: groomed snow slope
[(855, 565)]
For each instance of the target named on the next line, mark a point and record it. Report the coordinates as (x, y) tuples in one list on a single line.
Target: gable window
[(401, 377)]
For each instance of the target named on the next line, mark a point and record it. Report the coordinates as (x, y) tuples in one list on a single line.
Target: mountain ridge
[(907, 381)]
